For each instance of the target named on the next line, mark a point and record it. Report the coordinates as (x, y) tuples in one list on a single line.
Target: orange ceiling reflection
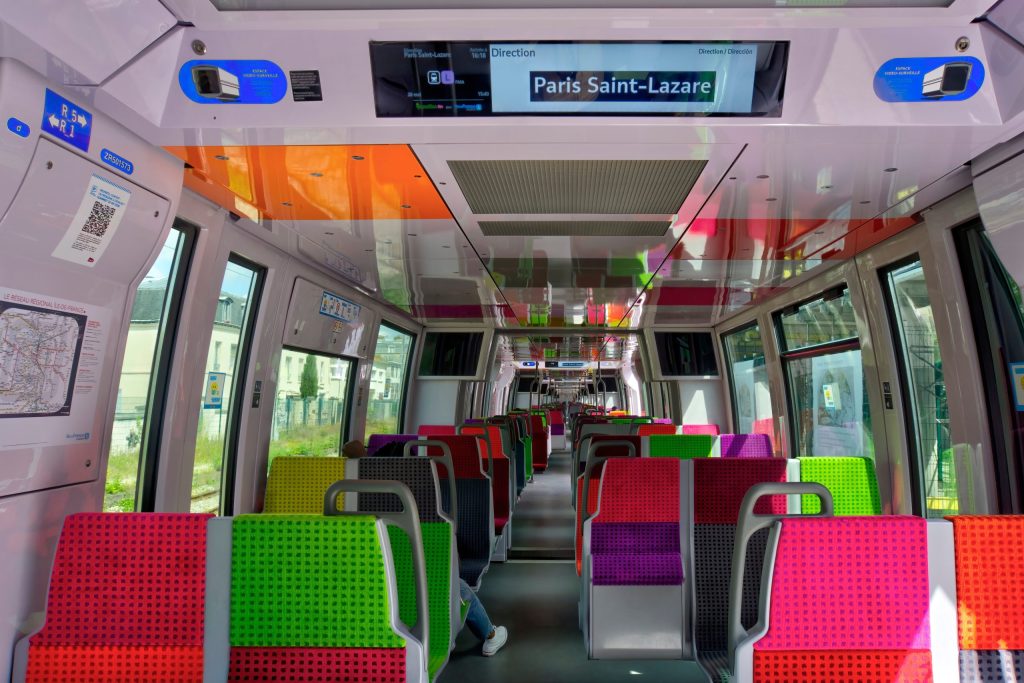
[(314, 182)]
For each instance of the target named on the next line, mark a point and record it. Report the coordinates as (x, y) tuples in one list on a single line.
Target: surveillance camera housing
[(215, 83), (948, 79)]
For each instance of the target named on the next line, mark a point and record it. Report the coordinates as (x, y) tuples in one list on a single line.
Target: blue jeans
[(477, 620)]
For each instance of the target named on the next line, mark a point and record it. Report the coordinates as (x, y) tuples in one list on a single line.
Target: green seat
[(682, 446), (438, 538), (851, 480)]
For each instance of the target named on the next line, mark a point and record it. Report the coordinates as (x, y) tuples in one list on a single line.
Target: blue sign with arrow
[(66, 121)]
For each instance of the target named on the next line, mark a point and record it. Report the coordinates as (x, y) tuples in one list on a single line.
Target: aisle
[(535, 598)]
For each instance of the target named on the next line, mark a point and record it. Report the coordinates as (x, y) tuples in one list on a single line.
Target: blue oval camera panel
[(929, 79), (232, 81)]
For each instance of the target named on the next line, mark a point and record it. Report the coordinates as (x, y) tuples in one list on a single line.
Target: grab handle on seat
[(449, 465), (408, 520), (749, 524), (594, 460)]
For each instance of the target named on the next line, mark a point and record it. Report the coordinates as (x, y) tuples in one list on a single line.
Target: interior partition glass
[(136, 389), (311, 405), (821, 359), (236, 309), (924, 387), (388, 378), (748, 381)]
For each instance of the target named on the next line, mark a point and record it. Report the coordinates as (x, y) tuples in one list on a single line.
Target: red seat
[(501, 482), (595, 485), (541, 442), (126, 600)]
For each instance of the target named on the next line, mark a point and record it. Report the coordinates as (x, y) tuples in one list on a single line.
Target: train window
[(924, 389), (748, 380), (997, 316), (131, 460), (385, 411), (311, 407), (825, 377), (218, 426)]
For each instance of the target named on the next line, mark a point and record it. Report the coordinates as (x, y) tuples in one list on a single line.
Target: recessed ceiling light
[(762, 177), (317, 174), (222, 157), (891, 169), (356, 157)]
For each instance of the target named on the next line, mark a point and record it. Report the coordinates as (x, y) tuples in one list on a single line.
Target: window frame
[(246, 338), (918, 498), (727, 362), (350, 385), (813, 351), (155, 417), (414, 340)]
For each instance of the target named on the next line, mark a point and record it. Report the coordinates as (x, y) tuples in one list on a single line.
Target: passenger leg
[(479, 622)]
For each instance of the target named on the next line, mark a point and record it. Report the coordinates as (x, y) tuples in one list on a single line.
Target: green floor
[(536, 600)]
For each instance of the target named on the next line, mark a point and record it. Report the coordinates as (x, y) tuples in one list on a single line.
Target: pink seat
[(711, 430)]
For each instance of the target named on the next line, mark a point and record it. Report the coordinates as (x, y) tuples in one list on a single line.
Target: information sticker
[(95, 223)]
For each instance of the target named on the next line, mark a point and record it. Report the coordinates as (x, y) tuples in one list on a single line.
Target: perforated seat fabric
[(639, 490), (297, 581), (126, 596), (474, 526), (709, 430), (416, 473), (437, 549), (990, 596), (539, 442), (682, 446), (377, 441), (850, 480), (296, 484), (745, 446), (656, 428), (719, 486), (316, 665), (636, 553), (467, 456), (430, 431), (501, 482), (849, 601)]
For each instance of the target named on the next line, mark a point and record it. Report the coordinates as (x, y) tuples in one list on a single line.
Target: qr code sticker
[(99, 219)]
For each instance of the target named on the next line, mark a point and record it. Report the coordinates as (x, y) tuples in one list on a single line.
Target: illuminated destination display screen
[(585, 78)]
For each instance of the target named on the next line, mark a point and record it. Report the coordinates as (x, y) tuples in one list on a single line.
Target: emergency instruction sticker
[(95, 223)]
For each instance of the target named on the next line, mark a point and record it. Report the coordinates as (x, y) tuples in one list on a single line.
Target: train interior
[(688, 335)]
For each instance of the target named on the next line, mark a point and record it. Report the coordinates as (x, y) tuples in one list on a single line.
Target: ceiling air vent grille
[(630, 186), (573, 228)]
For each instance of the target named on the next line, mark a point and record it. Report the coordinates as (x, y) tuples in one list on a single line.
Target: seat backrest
[(682, 446), (126, 596), (594, 484), (377, 441), (719, 486), (990, 596), (701, 429), (419, 474), (501, 482), (849, 600), (745, 446), (765, 425), (850, 480), (296, 583), (639, 490), (430, 431), (655, 428), (467, 455), (557, 422), (296, 484)]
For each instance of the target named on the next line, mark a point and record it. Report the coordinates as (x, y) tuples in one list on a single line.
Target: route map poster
[(51, 352)]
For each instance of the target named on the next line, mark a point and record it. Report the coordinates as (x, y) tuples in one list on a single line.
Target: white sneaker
[(495, 642)]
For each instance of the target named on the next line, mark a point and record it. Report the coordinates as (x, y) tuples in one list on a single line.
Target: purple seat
[(378, 441), (636, 554), (745, 446)]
